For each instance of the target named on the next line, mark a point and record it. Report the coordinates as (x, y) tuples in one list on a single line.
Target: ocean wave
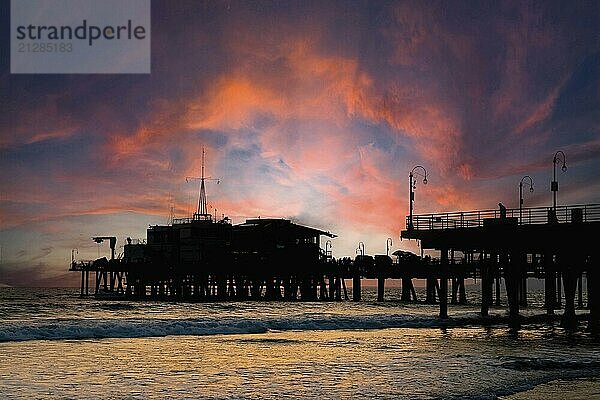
[(134, 328), (548, 364)]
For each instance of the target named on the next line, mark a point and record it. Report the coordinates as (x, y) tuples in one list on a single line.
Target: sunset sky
[(314, 111)]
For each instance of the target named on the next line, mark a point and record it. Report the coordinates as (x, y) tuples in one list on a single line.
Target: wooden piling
[(486, 288), (580, 291), (593, 277), (558, 290), (332, 287), (443, 291), (521, 266), (430, 288), (82, 282), (570, 283), (454, 296), (462, 291), (459, 295), (380, 288), (345, 289), (511, 278), (549, 284), (498, 277), (356, 288), (523, 290), (408, 290)]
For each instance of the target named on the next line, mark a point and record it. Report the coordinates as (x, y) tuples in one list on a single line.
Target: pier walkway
[(559, 244)]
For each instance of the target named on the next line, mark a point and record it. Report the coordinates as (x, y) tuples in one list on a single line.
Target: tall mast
[(202, 199), (202, 210)]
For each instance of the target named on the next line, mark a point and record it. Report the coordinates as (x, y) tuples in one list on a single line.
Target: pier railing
[(525, 216)]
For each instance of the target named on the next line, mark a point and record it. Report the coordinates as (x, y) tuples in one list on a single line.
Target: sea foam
[(134, 328)]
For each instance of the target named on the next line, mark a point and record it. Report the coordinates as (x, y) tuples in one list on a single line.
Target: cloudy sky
[(315, 111)]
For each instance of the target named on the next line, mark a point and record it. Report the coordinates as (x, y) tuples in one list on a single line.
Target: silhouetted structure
[(201, 258), (556, 244)]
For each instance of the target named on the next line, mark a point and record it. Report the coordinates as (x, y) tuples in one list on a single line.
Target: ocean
[(54, 344)]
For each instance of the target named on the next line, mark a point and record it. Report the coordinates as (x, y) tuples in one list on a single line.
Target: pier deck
[(559, 243)]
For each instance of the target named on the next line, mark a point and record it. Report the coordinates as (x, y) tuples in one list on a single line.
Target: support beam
[(82, 282), (98, 277), (454, 296), (549, 284), (332, 287), (462, 291), (443, 292), (430, 287), (356, 287), (486, 288), (87, 282), (498, 277), (593, 286), (459, 295), (408, 290), (558, 290), (512, 276), (521, 265), (523, 290), (580, 291), (570, 282), (380, 288)]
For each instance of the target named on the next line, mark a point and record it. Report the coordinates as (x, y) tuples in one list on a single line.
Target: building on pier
[(203, 259)]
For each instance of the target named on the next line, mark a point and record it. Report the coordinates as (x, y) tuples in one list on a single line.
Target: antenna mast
[(202, 199), (202, 211)]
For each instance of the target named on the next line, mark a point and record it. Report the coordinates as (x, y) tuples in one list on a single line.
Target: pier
[(554, 244), (203, 258)]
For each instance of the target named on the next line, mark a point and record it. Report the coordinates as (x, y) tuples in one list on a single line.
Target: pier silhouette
[(516, 244), (203, 258)]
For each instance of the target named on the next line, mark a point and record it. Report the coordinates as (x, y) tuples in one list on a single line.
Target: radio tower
[(201, 211)]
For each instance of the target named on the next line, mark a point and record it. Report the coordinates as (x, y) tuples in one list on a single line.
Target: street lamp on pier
[(416, 171), (530, 183), (559, 157), (361, 248), (73, 252)]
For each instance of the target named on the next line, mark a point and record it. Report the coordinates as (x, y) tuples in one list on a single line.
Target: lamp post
[(530, 183), (412, 187), (388, 244), (361, 248), (559, 157), (73, 251)]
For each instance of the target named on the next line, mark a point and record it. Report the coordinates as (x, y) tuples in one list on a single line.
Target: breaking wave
[(134, 328), (547, 364)]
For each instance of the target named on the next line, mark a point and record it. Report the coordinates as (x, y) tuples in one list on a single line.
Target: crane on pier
[(202, 211)]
